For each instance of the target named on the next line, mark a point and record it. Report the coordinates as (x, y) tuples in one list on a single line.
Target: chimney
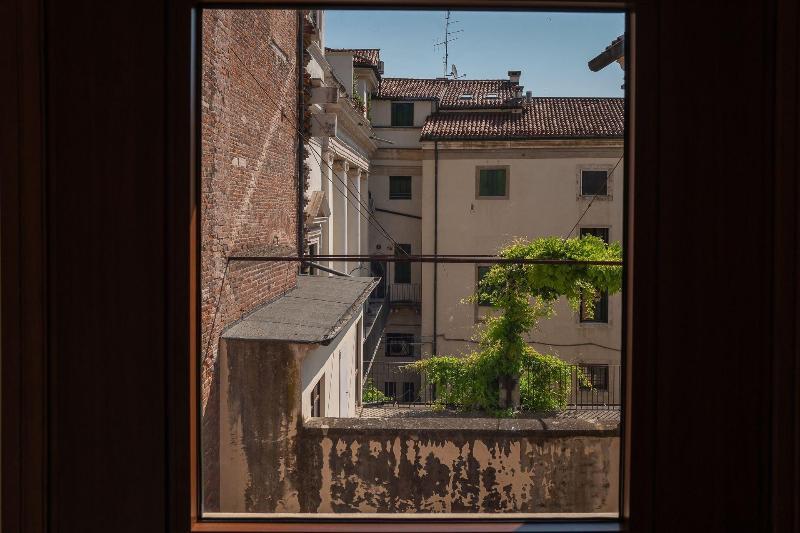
[(528, 95), (514, 75)]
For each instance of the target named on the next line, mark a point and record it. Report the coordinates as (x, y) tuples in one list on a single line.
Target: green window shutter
[(492, 182), (402, 114), (400, 187)]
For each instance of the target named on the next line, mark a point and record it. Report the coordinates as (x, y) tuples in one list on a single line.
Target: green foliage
[(524, 293), (371, 394)]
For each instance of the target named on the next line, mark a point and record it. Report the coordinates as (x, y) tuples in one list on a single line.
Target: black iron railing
[(404, 293), (376, 311), (591, 386)]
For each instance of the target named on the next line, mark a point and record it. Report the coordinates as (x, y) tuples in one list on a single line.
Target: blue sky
[(551, 49)]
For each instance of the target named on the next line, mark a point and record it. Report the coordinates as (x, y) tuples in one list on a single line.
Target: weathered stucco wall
[(458, 466), (417, 465)]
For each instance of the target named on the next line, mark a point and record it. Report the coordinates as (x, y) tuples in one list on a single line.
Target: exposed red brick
[(248, 180)]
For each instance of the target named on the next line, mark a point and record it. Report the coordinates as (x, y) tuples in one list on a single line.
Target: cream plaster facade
[(544, 200), (338, 161)]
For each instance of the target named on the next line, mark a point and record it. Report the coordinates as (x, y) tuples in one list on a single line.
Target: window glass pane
[(399, 187), (482, 271), (594, 182), (601, 233), (600, 307), (383, 358), (492, 182), (402, 269)]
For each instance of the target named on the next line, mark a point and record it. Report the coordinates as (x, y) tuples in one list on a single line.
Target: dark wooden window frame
[(607, 195), (40, 437), (478, 170), (402, 196)]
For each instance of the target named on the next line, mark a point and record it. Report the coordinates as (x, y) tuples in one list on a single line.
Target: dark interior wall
[(94, 282), (105, 283)]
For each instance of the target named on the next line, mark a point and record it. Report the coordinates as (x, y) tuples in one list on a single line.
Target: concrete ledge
[(497, 427)]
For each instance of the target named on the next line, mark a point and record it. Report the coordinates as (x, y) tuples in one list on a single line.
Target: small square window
[(594, 183), (399, 345), (482, 271), (601, 233), (600, 315), (597, 376), (400, 187), (466, 96), (492, 96), (492, 183), (402, 113)]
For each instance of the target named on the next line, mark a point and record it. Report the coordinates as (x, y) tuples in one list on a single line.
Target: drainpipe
[(300, 128), (435, 239)]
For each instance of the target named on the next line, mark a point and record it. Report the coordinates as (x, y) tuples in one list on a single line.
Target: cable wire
[(320, 158)]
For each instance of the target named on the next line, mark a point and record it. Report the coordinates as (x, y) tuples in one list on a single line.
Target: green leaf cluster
[(371, 394), (524, 294)]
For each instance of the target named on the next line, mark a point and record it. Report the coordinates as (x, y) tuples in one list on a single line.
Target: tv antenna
[(448, 38)]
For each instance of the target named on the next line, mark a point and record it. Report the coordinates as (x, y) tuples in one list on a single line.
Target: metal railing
[(376, 312), (390, 382), (404, 293)]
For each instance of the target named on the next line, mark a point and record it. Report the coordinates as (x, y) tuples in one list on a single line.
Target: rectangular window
[(594, 183), (316, 399), (404, 335), (402, 269), (492, 183), (400, 187), (600, 310), (482, 271), (408, 391), (399, 345), (402, 113), (602, 233), (597, 376)]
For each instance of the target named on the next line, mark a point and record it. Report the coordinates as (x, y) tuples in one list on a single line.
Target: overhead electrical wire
[(320, 159)]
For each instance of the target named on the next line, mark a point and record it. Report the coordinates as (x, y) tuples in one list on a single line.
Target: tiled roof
[(540, 118), (313, 312), (449, 92), (366, 57)]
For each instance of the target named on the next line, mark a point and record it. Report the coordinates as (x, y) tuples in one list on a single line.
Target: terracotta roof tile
[(451, 94), (540, 118), (367, 57)]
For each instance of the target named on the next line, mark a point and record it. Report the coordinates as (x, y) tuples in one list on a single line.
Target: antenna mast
[(447, 39)]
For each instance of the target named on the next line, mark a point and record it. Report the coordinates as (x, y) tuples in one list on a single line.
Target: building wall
[(340, 360), (382, 114), (248, 182), (543, 201), (415, 465)]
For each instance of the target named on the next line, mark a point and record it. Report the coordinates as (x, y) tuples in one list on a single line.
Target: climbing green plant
[(524, 294), (371, 394)]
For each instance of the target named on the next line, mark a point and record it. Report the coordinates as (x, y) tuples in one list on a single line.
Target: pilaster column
[(364, 222), (354, 217), (339, 212)]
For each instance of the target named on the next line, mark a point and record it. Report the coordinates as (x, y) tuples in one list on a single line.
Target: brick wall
[(248, 177)]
